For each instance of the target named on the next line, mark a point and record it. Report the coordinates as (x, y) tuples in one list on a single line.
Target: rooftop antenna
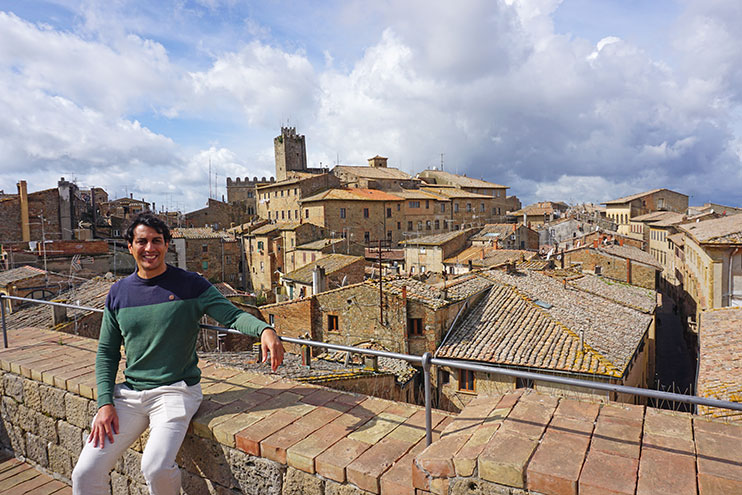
[(441, 162), (209, 176)]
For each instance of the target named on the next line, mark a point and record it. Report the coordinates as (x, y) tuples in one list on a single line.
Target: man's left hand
[(270, 343)]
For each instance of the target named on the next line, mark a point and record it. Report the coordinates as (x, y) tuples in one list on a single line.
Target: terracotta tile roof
[(320, 244), (677, 239), (492, 256), (649, 217), (626, 252), (331, 263), (200, 233), (433, 240), (495, 231), (433, 295), (669, 219), (92, 294), (632, 197), (453, 192), (372, 172), (537, 209), (720, 366), (724, 230), (443, 177), (20, 273), (353, 194), (509, 327), (631, 296), (265, 229), (418, 194)]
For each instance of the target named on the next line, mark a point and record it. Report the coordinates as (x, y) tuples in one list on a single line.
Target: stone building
[(719, 366), (215, 255), (579, 327), (362, 216), (264, 252), (244, 193), (712, 264), (538, 214), (217, 215), (622, 210), (281, 201), (290, 151), (312, 251), (49, 214), (426, 254), (484, 257), (334, 270), (377, 175), (467, 209), (507, 236), (31, 282), (623, 263), (292, 236), (502, 202)]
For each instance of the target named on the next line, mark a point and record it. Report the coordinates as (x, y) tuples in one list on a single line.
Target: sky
[(573, 100)]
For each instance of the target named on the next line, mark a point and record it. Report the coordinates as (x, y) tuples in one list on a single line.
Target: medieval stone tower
[(291, 153)]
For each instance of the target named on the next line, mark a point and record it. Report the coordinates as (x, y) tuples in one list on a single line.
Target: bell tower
[(291, 152)]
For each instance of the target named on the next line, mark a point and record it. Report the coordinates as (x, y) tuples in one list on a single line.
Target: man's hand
[(269, 342), (105, 424)]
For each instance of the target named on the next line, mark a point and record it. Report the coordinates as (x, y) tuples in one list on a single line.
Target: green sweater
[(157, 320)]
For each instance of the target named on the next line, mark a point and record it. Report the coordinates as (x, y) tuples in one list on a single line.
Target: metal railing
[(427, 360)]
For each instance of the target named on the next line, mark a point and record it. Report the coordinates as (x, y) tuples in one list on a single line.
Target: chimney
[(564, 283), (318, 279), (23, 199), (582, 340), (59, 314), (370, 363), (404, 292), (628, 271), (482, 253), (306, 356), (620, 242), (595, 243), (131, 195)]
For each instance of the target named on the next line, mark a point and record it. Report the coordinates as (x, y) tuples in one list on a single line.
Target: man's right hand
[(105, 424)]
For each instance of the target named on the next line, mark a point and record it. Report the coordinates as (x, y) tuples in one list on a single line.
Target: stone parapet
[(258, 433)]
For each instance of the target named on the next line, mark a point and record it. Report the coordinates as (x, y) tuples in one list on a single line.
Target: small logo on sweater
[(172, 297)]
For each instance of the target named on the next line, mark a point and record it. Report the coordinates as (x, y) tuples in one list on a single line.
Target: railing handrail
[(427, 359)]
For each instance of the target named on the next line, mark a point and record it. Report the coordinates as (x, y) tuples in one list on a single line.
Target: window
[(422, 249), (365, 213), (303, 257), (414, 327), (282, 193), (249, 194), (342, 212), (332, 323), (204, 248), (296, 214), (466, 380), (443, 207), (422, 268), (389, 234), (414, 204), (282, 212), (437, 224), (445, 377), (205, 265), (428, 225), (262, 266), (314, 257), (409, 224), (389, 213), (399, 225), (399, 206), (289, 214), (296, 191), (468, 207), (481, 207), (367, 237), (306, 213), (455, 207), (419, 225), (260, 245), (427, 204)]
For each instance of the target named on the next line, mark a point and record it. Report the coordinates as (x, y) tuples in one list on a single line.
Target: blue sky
[(575, 100)]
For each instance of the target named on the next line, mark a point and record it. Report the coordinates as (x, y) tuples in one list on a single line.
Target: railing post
[(5, 329), (428, 401)]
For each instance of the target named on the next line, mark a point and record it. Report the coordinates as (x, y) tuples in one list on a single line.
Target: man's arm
[(218, 307), (107, 359)]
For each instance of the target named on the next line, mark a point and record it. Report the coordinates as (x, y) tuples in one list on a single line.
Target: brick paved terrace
[(257, 433)]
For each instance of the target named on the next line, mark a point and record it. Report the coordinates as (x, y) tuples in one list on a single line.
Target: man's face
[(148, 248)]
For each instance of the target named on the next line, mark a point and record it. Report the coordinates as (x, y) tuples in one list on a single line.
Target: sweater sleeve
[(218, 307), (108, 356)]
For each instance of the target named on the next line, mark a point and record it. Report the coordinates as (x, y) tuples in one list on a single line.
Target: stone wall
[(621, 269)]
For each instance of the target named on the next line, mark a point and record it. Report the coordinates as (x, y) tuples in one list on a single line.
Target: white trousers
[(167, 410)]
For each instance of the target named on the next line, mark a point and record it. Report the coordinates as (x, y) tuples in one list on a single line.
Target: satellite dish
[(559, 257)]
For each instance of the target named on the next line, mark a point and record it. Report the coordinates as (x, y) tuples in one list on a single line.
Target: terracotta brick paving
[(523, 439), (19, 478)]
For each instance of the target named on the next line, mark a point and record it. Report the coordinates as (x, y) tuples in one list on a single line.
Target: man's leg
[(91, 474), (170, 411)]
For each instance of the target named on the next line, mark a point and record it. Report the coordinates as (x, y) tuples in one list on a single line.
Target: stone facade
[(280, 201), (622, 210), (217, 215), (290, 151), (244, 193), (216, 257), (614, 267)]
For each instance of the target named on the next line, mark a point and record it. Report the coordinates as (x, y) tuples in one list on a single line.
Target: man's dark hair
[(148, 219)]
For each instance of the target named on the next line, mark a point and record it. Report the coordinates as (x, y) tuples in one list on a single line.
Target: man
[(155, 313)]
